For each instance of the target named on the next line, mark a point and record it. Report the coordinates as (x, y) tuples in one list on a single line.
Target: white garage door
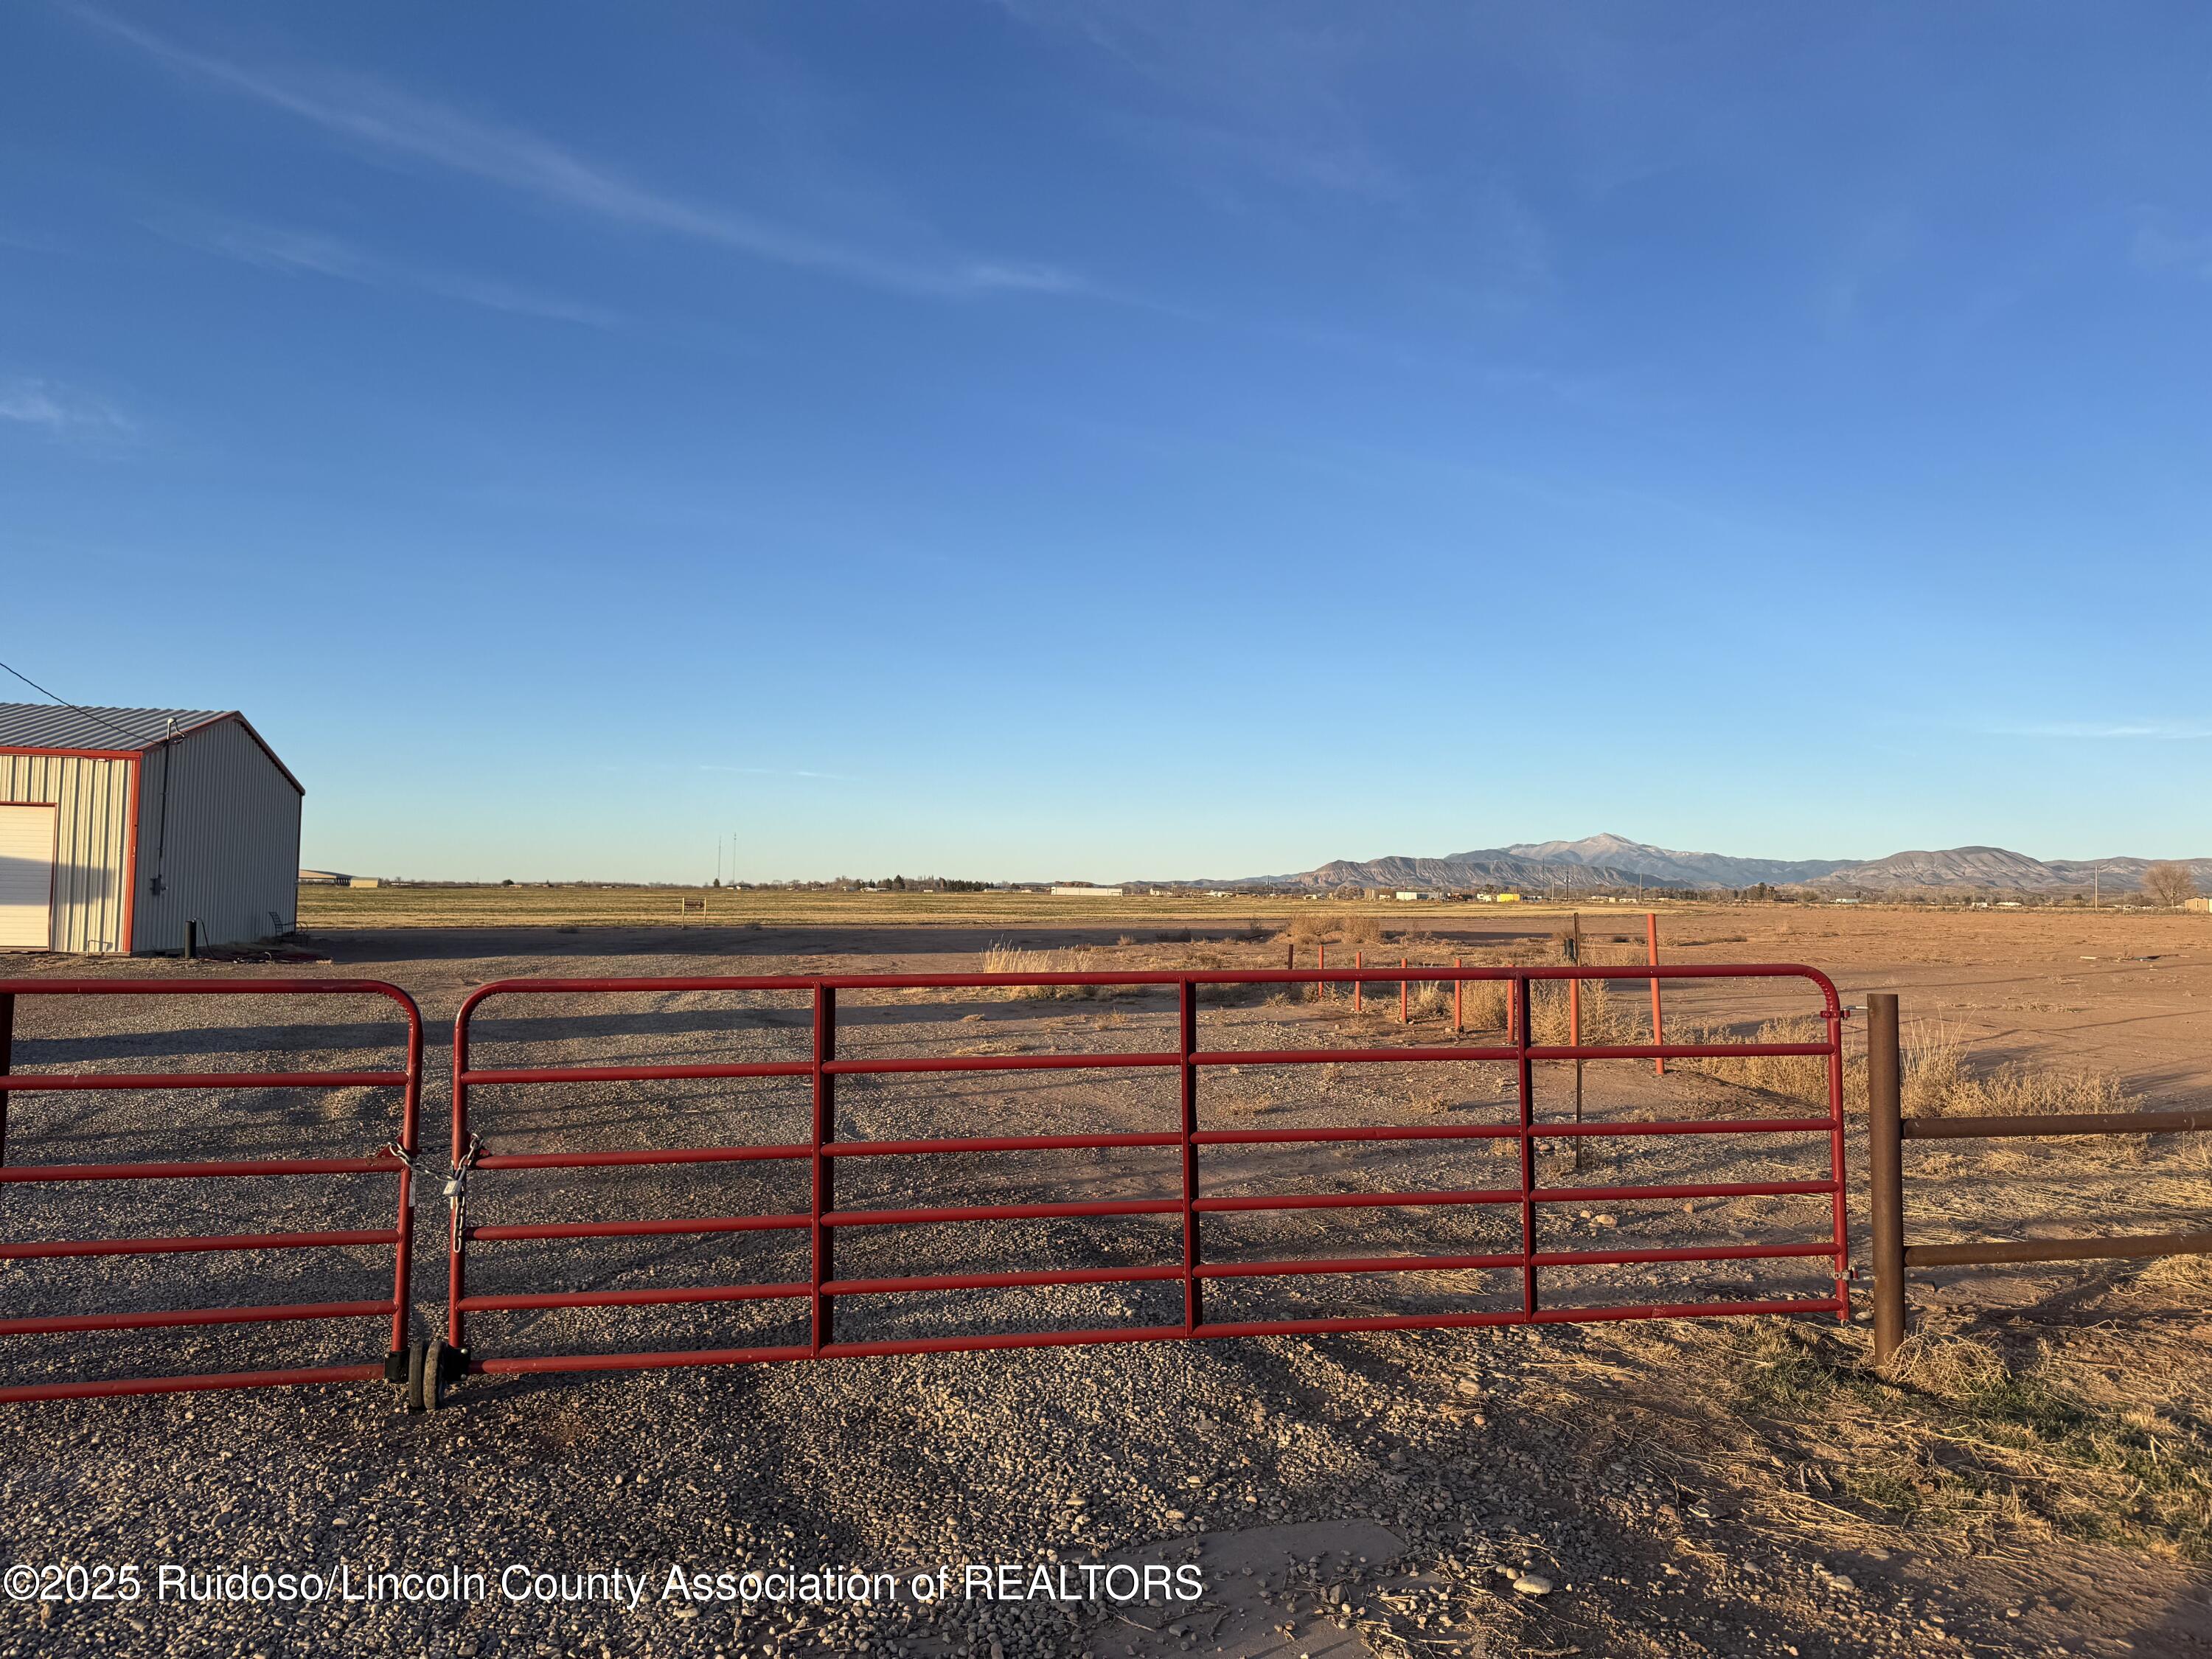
[(26, 877)]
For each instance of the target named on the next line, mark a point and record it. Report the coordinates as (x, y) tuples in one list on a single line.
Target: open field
[(2035, 1479), (528, 905)]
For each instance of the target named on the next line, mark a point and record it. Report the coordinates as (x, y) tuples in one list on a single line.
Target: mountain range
[(1614, 861)]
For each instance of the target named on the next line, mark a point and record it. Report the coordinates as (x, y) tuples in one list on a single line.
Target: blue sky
[(1102, 438)]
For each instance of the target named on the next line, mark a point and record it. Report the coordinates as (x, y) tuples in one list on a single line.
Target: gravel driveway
[(1375, 1493)]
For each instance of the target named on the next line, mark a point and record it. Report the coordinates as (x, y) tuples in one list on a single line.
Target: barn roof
[(113, 730), (50, 725)]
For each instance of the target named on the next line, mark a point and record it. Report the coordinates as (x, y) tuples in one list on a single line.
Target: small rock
[(1533, 1584)]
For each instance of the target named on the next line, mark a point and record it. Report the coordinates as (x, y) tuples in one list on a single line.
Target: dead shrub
[(1793, 1077), (1552, 1019), (1939, 1083), (1943, 1363), (1359, 934), (1938, 1080), (1014, 959), (1485, 1003)]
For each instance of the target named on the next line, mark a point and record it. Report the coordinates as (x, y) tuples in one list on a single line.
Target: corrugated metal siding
[(92, 861), (232, 857)]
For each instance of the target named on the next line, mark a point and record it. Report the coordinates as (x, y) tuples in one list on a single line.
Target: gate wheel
[(432, 1394), (411, 1394)]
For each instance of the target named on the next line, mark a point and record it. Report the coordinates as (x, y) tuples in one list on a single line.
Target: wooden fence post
[(1885, 1170)]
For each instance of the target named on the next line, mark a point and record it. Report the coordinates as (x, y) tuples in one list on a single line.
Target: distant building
[(119, 826), (2198, 905), (1086, 892), (1507, 898), (363, 881), (1414, 898), (323, 879)]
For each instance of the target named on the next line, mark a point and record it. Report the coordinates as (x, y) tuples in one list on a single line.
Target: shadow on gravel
[(361, 1041)]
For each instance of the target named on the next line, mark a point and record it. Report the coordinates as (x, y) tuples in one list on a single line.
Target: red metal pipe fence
[(394, 1158), (825, 1218)]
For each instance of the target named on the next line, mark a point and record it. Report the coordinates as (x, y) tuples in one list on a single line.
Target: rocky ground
[(2032, 1481)]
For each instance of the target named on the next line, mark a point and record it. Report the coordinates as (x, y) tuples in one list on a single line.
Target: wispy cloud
[(392, 123), (776, 772), (2163, 246), (2163, 731), (31, 241), (307, 252), (61, 410), (1235, 90)]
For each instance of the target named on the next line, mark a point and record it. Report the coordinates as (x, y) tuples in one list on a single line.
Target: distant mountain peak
[(1613, 860)]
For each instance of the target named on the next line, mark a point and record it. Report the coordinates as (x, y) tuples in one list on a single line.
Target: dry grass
[(1430, 999), (1360, 933), (1014, 959), (1954, 1435), (1348, 930), (2189, 1274), (1954, 1447), (1938, 1081), (1789, 1076), (1554, 1015), (1486, 1003)]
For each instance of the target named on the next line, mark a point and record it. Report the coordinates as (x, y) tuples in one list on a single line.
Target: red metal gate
[(821, 1152), (393, 1158)]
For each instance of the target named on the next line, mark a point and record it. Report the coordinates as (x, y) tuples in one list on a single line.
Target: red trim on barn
[(130, 861)]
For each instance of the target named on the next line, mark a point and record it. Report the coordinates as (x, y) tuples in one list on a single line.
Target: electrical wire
[(134, 737)]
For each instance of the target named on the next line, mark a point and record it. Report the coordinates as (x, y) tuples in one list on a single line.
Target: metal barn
[(118, 826)]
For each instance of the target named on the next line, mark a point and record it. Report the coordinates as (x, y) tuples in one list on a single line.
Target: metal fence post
[(823, 1253), (1526, 1076), (1885, 1170), (7, 1058), (1194, 1309)]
